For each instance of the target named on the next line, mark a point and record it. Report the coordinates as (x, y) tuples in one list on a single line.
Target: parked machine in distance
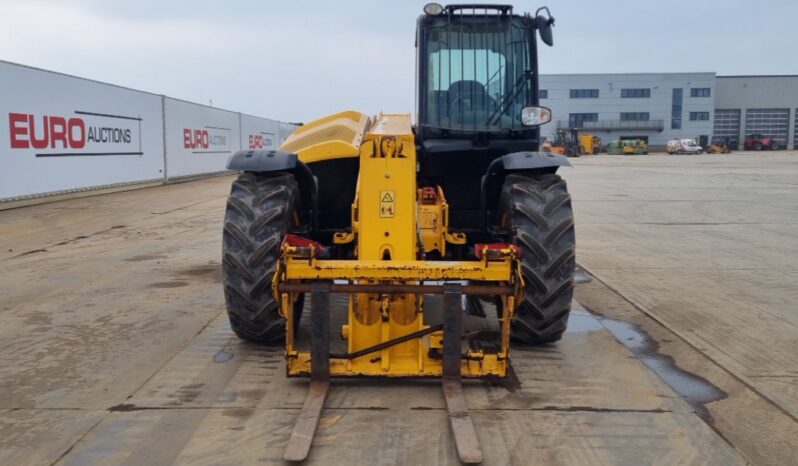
[(719, 145), (683, 146), (627, 147), (421, 230), (590, 143), (758, 141), (566, 143), (637, 146)]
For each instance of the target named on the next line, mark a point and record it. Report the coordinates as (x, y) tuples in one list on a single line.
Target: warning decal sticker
[(387, 204)]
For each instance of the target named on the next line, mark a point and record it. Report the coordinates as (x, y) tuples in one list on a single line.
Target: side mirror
[(535, 116), (544, 25)]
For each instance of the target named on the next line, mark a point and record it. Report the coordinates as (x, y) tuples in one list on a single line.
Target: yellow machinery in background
[(627, 147), (566, 143), (590, 143), (447, 238), (571, 143), (719, 145)]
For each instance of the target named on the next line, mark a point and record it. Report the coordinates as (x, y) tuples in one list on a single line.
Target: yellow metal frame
[(333, 137), (413, 270), (392, 230)]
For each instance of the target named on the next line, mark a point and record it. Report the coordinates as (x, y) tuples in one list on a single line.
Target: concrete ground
[(114, 347)]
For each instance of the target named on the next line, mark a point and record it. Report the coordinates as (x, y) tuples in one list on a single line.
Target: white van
[(683, 146)]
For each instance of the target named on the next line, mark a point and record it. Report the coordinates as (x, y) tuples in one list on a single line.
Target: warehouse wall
[(63, 133), (610, 104), (753, 95)]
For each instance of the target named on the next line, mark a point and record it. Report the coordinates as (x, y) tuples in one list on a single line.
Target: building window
[(699, 116), (543, 93), (634, 116), (699, 92), (635, 93), (676, 109), (577, 120), (584, 93)]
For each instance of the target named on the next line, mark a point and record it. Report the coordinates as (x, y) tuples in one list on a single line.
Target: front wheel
[(261, 209), (757, 145), (537, 211)]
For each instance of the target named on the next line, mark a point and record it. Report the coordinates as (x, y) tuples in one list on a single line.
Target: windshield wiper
[(510, 97)]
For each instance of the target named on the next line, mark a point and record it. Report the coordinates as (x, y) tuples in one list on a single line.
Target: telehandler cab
[(430, 231)]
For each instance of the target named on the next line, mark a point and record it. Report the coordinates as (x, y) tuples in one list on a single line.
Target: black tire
[(756, 145), (774, 146), (260, 210), (537, 209)]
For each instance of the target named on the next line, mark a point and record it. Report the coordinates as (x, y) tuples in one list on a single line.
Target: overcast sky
[(296, 60)]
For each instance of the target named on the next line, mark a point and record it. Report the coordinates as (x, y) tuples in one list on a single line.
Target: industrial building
[(657, 107)]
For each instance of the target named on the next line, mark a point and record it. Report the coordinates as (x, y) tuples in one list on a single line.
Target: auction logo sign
[(261, 140), (207, 140), (83, 134)]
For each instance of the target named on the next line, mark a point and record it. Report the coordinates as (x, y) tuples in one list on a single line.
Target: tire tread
[(540, 214), (255, 222)]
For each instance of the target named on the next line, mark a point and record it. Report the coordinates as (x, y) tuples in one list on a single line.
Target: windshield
[(477, 73)]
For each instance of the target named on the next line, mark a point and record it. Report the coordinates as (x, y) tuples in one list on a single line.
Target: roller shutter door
[(727, 125), (770, 122), (795, 132)]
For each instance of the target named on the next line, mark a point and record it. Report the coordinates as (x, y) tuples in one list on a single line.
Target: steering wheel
[(460, 97)]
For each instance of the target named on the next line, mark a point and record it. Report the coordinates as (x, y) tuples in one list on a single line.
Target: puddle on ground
[(580, 276), (694, 389), (222, 356), (228, 397), (581, 321)]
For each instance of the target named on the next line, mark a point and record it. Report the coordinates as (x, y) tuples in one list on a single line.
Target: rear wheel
[(756, 145), (774, 146), (537, 211), (260, 211)]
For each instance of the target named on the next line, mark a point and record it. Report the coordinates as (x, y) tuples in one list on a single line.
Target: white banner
[(199, 139), (63, 133), (285, 130), (259, 133)]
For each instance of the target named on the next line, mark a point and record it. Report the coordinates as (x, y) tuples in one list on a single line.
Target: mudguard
[(533, 160), (265, 161), (493, 179), (262, 161)]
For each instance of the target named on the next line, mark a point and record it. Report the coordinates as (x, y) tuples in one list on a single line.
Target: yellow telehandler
[(447, 238)]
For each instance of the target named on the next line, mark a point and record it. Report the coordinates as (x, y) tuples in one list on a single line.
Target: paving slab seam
[(64, 242), (560, 409), (687, 340), (53, 408), (76, 442), (109, 411), (175, 354)]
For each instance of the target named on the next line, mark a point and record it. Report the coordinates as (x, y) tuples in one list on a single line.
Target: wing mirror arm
[(544, 25)]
